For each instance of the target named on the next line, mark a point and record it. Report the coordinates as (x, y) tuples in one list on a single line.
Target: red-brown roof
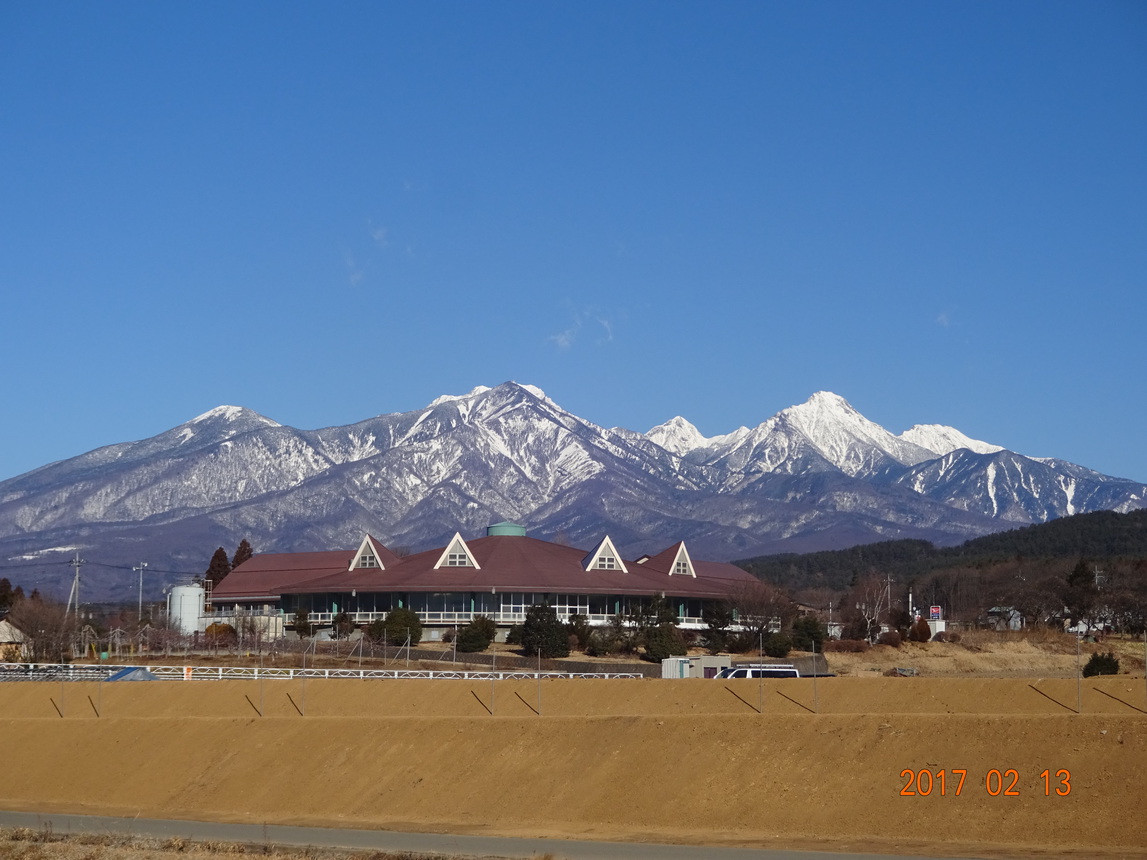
[(266, 575), (505, 563)]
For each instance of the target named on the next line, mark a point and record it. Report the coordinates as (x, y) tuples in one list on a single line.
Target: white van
[(761, 670)]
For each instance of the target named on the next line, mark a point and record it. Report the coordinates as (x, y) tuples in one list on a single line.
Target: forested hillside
[(1089, 569), (1097, 537)]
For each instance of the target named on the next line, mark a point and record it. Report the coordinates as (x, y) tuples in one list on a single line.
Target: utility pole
[(140, 568), (75, 592)]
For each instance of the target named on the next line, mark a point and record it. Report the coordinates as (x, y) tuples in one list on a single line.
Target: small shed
[(693, 667), (133, 673)]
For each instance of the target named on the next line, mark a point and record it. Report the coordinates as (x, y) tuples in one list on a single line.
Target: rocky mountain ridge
[(815, 476)]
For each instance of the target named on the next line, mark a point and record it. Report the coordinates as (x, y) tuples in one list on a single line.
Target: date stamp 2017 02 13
[(949, 782)]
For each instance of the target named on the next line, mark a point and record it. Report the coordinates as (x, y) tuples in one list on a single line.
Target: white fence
[(70, 672)]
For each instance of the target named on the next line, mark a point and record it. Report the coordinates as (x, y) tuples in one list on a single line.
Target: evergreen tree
[(920, 631), (808, 633), (1101, 664), (718, 618), (472, 638), (242, 553), (400, 623), (343, 625), (663, 641), (218, 568), (303, 626), (543, 634)]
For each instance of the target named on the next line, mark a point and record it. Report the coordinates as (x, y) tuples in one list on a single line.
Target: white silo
[(185, 606)]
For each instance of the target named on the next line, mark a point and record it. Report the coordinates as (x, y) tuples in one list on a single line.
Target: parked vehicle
[(760, 670)]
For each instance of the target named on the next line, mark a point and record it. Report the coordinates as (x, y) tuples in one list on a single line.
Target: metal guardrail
[(70, 672), (54, 672)]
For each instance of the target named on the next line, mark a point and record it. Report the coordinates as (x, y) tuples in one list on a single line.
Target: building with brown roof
[(499, 575)]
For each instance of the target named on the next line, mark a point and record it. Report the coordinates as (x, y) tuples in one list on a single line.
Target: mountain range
[(815, 476)]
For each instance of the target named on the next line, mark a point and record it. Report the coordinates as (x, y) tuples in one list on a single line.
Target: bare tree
[(47, 628), (761, 607), (869, 601)]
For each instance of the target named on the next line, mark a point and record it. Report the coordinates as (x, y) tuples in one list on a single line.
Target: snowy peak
[(506, 391), (238, 415), (223, 422), (677, 436), (846, 438), (942, 440)]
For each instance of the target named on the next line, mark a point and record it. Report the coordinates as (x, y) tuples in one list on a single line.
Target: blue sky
[(327, 211)]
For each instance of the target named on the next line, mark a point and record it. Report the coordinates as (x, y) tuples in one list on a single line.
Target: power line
[(33, 564)]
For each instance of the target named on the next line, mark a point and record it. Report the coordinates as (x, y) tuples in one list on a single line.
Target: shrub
[(398, 623), (740, 643), (856, 628), (714, 641), (514, 635), (602, 643), (663, 641), (919, 631), (579, 629), (847, 646), (471, 639), (891, 638), (485, 624), (900, 619), (1101, 664), (219, 634), (777, 645)]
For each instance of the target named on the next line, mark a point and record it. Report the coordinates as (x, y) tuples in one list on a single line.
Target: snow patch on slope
[(232, 414), (450, 398)]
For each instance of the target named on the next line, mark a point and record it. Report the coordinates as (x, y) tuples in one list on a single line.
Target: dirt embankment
[(684, 761)]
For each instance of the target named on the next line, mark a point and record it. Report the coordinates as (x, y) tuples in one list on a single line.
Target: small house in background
[(1005, 618), (12, 642)]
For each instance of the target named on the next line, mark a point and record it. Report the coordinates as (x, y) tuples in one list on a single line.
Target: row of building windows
[(507, 604)]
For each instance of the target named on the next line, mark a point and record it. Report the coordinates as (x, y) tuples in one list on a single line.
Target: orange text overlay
[(952, 782)]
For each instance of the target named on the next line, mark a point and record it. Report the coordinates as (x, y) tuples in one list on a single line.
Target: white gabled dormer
[(457, 554), (605, 557), (371, 555), (682, 564)]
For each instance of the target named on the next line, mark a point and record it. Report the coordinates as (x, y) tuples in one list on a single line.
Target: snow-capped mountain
[(944, 440), (816, 475)]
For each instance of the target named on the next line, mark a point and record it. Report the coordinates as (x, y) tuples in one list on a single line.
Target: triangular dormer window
[(457, 554), (368, 557), (605, 557), (682, 564)]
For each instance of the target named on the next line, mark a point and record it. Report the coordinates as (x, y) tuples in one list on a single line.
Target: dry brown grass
[(22, 843), (1036, 652)]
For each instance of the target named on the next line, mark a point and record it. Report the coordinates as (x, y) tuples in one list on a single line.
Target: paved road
[(428, 843)]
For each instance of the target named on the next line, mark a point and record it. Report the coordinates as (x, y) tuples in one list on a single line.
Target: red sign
[(934, 613)]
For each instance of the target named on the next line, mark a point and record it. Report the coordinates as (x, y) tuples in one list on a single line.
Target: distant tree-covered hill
[(1097, 536)]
